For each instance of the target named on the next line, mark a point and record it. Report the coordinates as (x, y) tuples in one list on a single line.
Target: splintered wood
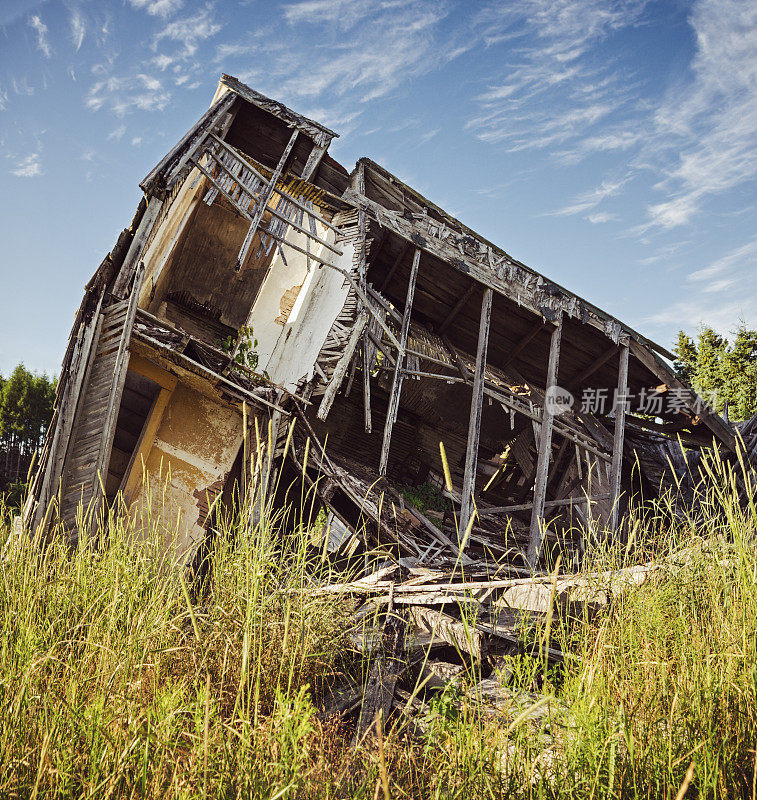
[(427, 628)]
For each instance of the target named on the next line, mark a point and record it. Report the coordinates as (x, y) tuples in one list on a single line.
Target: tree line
[(26, 407), (722, 370)]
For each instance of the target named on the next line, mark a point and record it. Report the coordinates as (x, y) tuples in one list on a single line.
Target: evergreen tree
[(26, 405), (686, 357), (721, 372)]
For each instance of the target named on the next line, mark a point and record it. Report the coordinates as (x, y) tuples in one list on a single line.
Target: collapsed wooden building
[(261, 282)]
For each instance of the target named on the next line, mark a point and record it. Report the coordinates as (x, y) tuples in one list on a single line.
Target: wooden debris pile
[(425, 630)]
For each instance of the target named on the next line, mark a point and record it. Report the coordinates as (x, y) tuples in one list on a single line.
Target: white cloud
[(554, 89), (158, 8), (707, 131), (602, 216), (28, 167), (43, 45), (388, 43), (78, 29), (745, 255), (122, 95), (190, 31), (117, 134), (136, 141), (591, 199)]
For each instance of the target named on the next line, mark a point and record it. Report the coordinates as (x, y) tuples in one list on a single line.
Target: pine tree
[(721, 372), (686, 361)]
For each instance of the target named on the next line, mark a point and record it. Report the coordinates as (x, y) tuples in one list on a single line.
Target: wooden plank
[(274, 211), (340, 370), (136, 248), (457, 308), (598, 362), (119, 378), (386, 670), (566, 501), (617, 445), (476, 407), (394, 397), (545, 449), (262, 203), (278, 190), (523, 344), (314, 161), (395, 266), (153, 372), (208, 119)]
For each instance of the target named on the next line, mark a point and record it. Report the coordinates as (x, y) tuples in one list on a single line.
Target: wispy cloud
[(117, 134), (388, 43), (743, 257), (158, 8), (190, 31), (553, 89), (78, 28), (122, 95), (29, 167), (602, 216), (591, 199), (39, 27), (707, 132), (365, 50)]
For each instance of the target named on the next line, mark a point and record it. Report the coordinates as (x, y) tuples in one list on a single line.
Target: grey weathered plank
[(474, 423), (545, 448), (617, 446), (394, 397)]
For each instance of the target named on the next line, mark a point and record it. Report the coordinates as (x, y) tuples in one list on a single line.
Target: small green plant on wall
[(246, 348)]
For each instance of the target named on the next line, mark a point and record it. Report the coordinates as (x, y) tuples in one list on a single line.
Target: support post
[(394, 397), (545, 449), (617, 444), (476, 405)]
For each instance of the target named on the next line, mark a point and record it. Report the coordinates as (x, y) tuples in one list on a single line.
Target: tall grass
[(117, 679)]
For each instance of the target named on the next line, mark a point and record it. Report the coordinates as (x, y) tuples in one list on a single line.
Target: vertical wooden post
[(362, 269), (617, 444), (545, 449), (394, 397), (476, 404)]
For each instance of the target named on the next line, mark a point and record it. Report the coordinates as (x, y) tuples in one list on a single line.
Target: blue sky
[(610, 144)]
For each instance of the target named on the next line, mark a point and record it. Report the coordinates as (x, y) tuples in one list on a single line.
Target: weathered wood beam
[(597, 363), (137, 247), (114, 402), (566, 501), (394, 397), (523, 344), (314, 161), (476, 407), (262, 203), (545, 449), (617, 445), (457, 308), (189, 143), (395, 266), (340, 370)]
